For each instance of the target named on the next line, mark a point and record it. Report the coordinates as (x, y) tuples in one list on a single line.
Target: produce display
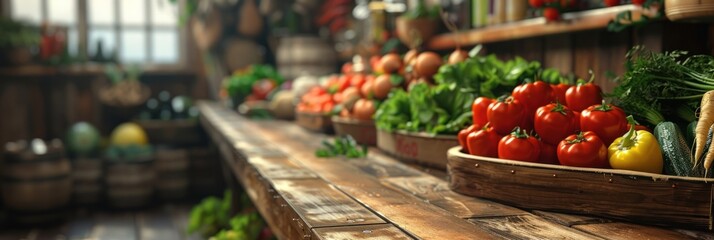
[(533, 124), (254, 84)]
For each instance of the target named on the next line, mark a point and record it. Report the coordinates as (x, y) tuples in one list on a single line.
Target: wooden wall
[(45, 105), (604, 51)]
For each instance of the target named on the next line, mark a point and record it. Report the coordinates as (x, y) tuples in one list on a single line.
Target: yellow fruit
[(128, 134)]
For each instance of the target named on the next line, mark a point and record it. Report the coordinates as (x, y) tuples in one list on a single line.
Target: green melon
[(82, 139)]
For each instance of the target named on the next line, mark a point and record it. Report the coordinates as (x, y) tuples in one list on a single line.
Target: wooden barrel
[(87, 180), (172, 173), (305, 55), (36, 181), (205, 176), (129, 183)]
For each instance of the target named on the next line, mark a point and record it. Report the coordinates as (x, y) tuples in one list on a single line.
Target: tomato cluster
[(545, 123)]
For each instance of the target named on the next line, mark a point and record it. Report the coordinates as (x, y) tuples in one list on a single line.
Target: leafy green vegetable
[(423, 11), (211, 215), (657, 86), (241, 85), (243, 226), (342, 146), (487, 75), (437, 110)]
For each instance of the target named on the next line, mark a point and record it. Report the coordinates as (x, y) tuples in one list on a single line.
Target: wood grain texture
[(321, 205), (314, 122), (639, 197), (279, 168), (380, 166), (364, 132), (626, 231), (377, 231), (528, 227), (437, 192), (569, 219), (611, 56), (558, 53), (407, 212), (585, 55)]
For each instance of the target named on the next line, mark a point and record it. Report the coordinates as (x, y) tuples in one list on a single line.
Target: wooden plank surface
[(437, 192), (407, 212), (402, 196), (528, 227), (279, 168), (626, 231), (376, 231), (569, 219), (321, 205)]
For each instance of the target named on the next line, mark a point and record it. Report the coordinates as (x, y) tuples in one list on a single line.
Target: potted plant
[(126, 95), (17, 42), (418, 24)]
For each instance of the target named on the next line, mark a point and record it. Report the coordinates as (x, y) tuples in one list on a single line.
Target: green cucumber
[(676, 151), (690, 133)]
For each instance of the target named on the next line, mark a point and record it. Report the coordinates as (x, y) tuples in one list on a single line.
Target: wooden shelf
[(534, 27), (41, 71)]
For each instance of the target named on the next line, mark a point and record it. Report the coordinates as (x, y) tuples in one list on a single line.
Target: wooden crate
[(315, 122), (362, 131), (174, 132), (621, 194), (421, 148)]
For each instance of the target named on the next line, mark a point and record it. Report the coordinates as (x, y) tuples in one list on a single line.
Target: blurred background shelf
[(534, 27)]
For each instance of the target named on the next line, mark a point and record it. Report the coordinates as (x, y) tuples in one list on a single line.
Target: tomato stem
[(559, 108), (578, 139), (603, 107), (629, 139)]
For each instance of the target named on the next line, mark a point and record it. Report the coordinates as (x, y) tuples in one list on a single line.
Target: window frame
[(82, 26)]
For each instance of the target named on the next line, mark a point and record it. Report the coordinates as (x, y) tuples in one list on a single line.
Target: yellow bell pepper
[(636, 150)]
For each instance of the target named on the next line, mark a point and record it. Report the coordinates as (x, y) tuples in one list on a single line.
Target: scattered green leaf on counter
[(342, 146)]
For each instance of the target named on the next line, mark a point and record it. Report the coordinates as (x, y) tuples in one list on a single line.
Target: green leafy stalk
[(342, 146)]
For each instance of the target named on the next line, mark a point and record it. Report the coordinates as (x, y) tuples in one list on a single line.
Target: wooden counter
[(305, 197)]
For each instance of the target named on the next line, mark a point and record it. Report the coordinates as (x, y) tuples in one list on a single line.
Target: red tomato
[(551, 14), (533, 95), (519, 146), (638, 2), (465, 133), (559, 92), (506, 114), (363, 109), (582, 96), (483, 142), (611, 3), (347, 68), (262, 88), (327, 107), (536, 3), (548, 154), (583, 150), (358, 80), (554, 122), (607, 121), (479, 109)]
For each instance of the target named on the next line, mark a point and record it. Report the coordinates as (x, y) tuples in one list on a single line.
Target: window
[(138, 31)]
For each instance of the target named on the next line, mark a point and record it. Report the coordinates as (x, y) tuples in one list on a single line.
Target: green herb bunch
[(342, 146), (659, 86)]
